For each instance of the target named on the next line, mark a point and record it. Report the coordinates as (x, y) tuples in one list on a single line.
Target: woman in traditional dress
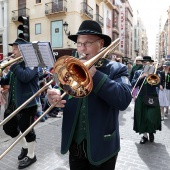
[(164, 91), (147, 119)]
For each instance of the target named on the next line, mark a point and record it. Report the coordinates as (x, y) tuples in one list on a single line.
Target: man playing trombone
[(147, 115), (23, 83), (90, 129)]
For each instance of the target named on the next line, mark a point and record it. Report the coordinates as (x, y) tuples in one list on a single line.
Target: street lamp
[(65, 25)]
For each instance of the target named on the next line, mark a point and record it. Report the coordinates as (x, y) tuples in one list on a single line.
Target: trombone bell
[(73, 76), (153, 79)]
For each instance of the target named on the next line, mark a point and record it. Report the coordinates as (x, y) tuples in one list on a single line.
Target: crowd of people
[(90, 126)]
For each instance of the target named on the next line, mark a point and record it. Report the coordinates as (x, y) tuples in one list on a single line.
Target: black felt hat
[(147, 58), (18, 41), (90, 27)]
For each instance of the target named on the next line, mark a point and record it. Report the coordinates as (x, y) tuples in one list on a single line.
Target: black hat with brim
[(18, 41), (147, 58), (90, 27)]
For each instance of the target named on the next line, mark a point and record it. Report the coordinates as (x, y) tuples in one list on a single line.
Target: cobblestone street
[(133, 156)]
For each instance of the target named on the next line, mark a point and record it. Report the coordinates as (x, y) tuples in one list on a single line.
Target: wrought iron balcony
[(109, 3), (87, 10), (99, 19), (20, 12), (52, 7)]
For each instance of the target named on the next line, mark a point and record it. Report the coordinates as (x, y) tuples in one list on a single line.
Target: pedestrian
[(90, 128), (129, 67), (164, 90), (147, 118), (161, 68), (23, 83), (137, 66)]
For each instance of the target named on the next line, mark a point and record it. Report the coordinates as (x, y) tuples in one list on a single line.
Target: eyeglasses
[(86, 44)]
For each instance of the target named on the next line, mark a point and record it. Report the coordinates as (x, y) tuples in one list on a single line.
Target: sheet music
[(46, 53), (29, 55)]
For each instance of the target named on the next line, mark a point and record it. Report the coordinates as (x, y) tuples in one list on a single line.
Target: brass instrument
[(2, 66), (146, 69), (73, 75), (152, 79), (74, 79), (7, 58)]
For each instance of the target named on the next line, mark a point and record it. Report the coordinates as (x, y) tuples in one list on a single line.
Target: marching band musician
[(90, 129), (23, 83), (164, 90), (147, 119)]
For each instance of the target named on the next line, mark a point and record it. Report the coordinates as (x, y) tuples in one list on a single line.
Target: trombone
[(145, 70), (152, 79), (74, 78), (2, 66), (7, 58)]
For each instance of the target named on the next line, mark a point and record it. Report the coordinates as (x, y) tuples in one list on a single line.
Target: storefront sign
[(122, 28)]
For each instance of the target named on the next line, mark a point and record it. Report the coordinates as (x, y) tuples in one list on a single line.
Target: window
[(38, 1), (38, 28)]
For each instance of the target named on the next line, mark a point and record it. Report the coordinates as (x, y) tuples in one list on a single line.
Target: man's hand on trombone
[(144, 75), (53, 96)]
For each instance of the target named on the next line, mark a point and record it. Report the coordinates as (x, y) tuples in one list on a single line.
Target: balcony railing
[(99, 19), (87, 10), (20, 12), (52, 7), (109, 3)]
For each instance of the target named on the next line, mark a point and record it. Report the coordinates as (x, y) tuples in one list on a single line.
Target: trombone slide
[(25, 103), (30, 128)]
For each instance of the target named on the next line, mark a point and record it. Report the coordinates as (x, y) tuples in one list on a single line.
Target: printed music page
[(29, 55), (46, 53)]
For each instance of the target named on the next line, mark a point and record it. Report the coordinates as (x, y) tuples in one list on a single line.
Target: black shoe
[(52, 115), (143, 140), (23, 154), (151, 137), (26, 162)]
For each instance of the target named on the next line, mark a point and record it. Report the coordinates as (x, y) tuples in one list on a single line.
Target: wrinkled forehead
[(87, 37)]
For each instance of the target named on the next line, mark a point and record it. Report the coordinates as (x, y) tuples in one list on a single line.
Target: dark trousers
[(78, 159), (20, 122)]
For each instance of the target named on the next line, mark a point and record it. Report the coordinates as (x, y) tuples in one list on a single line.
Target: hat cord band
[(88, 31)]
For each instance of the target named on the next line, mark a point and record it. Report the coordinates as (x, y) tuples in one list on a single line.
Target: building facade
[(54, 20), (46, 19), (3, 28)]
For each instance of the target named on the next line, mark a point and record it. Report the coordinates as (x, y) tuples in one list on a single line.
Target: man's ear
[(102, 43)]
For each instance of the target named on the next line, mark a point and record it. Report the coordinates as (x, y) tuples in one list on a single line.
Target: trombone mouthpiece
[(81, 56)]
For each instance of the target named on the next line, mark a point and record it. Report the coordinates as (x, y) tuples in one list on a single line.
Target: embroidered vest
[(80, 131)]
